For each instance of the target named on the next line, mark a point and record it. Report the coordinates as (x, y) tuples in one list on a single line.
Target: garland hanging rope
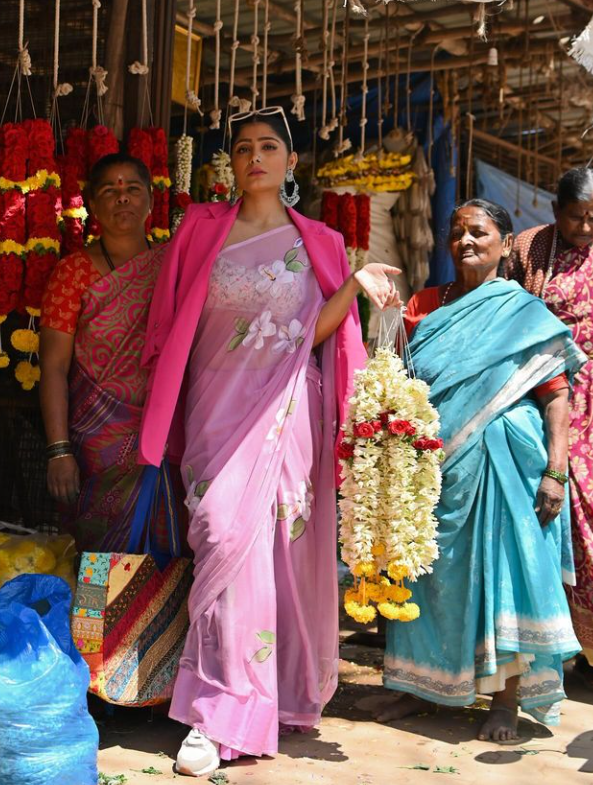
[(344, 143), (255, 58), (22, 68), (267, 28), (298, 99), (97, 74), (241, 104), (141, 68), (328, 127), (365, 89), (379, 96), (65, 88), (191, 98), (325, 50), (216, 113)]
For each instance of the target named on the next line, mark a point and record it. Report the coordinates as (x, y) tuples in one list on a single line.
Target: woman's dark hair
[(497, 213), (275, 121), (114, 159), (576, 185)]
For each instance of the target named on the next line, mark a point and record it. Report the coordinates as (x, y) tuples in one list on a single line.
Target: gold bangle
[(55, 444), (64, 455)]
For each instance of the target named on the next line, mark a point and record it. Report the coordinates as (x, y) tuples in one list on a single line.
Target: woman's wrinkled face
[(475, 241), (575, 222), (121, 202), (260, 158)]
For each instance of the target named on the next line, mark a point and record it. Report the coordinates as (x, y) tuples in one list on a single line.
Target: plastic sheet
[(47, 736)]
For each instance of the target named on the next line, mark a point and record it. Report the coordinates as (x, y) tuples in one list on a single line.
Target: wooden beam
[(162, 63), (494, 140)]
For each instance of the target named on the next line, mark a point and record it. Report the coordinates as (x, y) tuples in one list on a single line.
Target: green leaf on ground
[(420, 766), (218, 778), (148, 770), (445, 770), (111, 779)]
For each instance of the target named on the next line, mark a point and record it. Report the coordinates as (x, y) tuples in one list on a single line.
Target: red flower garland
[(73, 172), (162, 185), (363, 228), (329, 209), (44, 205), (14, 148)]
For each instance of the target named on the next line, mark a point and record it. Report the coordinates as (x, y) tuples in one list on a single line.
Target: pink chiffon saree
[(260, 425)]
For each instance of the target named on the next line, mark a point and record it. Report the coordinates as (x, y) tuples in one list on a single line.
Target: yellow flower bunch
[(41, 179), (373, 172), (161, 182), (27, 374), (391, 601), (33, 311), (75, 212), (160, 235), (25, 341), (4, 360), (37, 244)]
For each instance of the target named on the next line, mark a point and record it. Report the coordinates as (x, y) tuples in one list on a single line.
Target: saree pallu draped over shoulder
[(494, 606), (107, 388)]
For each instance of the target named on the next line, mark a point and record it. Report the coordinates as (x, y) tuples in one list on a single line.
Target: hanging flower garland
[(347, 226), (369, 173), (15, 150), (183, 171), (161, 185), (140, 145), (390, 464), (363, 229), (73, 170), (43, 206), (329, 209), (223, 178)]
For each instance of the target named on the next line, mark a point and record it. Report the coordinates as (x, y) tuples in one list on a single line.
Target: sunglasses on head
[(265, 112)]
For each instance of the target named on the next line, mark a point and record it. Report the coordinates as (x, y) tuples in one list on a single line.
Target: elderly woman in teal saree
[(494, 615)]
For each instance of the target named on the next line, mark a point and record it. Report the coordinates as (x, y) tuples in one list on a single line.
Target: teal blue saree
[(494, 607)]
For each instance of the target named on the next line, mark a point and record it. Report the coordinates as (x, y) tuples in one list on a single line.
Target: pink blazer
[(177, 303)]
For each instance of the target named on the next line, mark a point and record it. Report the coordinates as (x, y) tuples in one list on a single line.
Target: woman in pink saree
[(254, 335), (555, 262)]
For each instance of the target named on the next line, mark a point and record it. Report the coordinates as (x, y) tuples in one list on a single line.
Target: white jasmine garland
[(391, 483), (183, 172)]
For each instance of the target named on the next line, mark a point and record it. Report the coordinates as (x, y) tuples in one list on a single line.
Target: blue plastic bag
[(47, 736)]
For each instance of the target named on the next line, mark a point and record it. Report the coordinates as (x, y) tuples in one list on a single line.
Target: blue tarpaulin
[(503, 188)]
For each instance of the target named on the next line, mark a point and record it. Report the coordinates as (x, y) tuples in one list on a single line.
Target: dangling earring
[(289, 201), (233, 196)]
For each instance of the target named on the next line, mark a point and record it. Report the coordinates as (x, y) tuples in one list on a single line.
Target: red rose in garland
[(44, 206), (140, 145), (101, 141), (329, 209), (73, 170), (14, 144), (347, 225), (363, 227), (161, 183)]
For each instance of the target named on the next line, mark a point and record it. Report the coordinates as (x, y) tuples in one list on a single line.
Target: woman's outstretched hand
[(375, 280)]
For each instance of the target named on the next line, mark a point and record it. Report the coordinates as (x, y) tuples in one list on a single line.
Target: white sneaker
[(197, 755)]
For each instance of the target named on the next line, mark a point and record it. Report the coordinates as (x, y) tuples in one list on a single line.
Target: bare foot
[(404, 706), (501, 724)]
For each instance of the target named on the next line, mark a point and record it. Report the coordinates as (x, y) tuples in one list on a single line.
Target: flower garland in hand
[(390, 460)]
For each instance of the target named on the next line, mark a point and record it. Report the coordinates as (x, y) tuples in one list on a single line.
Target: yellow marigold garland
[(27, 374), (373, 172), (25, 341)]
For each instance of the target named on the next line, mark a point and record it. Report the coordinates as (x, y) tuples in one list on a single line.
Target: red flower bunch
[(160, 169), (347, 219), (41, 146), (73, 172), (428, 444), (181, 201), (401, 428), (14, 149), (101, 141), (363, 221), (345, 451), (220, 189), (364, 430), (329, 209), (140, 145)]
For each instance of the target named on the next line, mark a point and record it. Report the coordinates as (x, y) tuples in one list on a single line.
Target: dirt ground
[(350, 748)]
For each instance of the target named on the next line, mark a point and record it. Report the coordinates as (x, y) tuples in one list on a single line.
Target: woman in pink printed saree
[(255, 311), (93, 388)]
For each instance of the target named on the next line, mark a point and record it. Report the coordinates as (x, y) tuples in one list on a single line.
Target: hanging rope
[(409, 80), (24, 59), (267, 28), (379, 90), (298, 99), (325, 49), (344, 144), (328, 127), (255, 59), (386, 104), (560, 108), (242, 104), (365, 88), (431, 107), (470, 121), (520, 146), (141, 68), (216, 113), (98, 74), (397, 70), (64, 88), (191, 98)]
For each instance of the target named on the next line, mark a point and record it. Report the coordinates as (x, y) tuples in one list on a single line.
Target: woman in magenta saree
[(94, 317), (556, 263), (255, 311)]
